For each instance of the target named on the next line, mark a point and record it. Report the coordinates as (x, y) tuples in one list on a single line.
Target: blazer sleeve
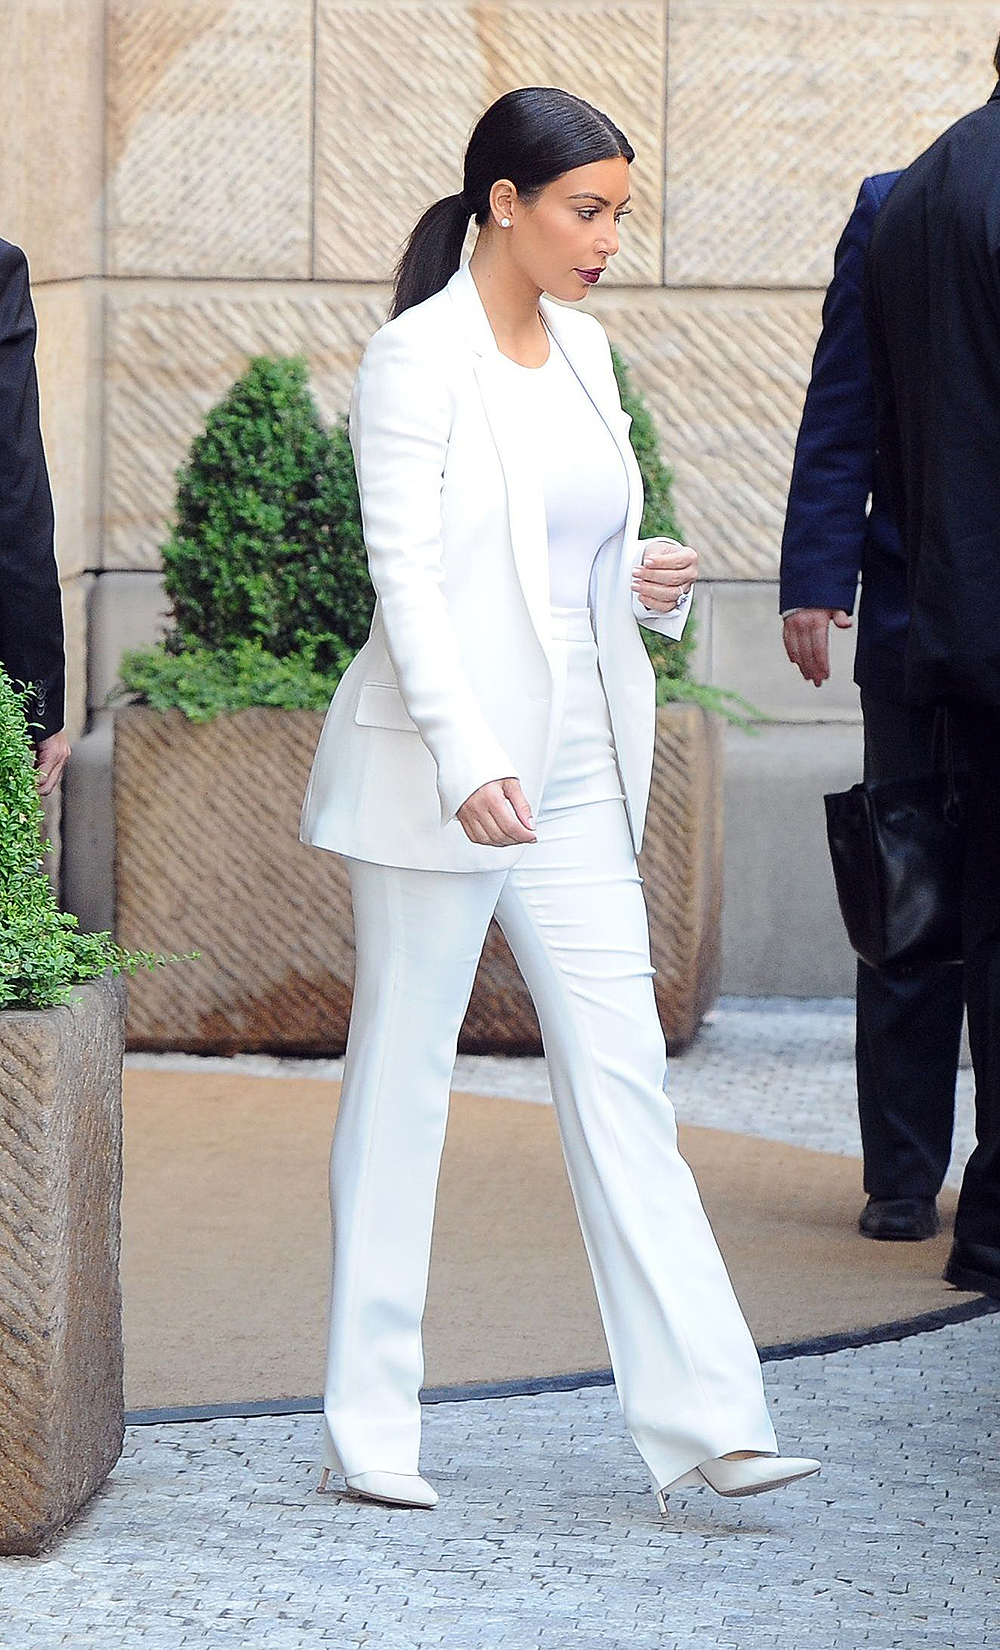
[(670, 624), (31, 623), (399, 425), (834, 462), (665, 624)]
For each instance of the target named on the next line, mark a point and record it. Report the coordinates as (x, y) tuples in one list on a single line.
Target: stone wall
[(195, 180), (51, 185)]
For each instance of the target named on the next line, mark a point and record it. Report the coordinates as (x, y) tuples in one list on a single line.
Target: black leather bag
[(898, 851)]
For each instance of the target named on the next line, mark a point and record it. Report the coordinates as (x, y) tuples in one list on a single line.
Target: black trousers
[(977, 1220), (909, 1026)]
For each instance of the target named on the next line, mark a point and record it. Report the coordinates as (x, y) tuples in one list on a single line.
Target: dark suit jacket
[(932, 310), (31, 625), (828, 538)]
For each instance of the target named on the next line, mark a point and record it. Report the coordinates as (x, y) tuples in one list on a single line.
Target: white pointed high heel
[(400, 1489), (328, 1456), (750, 1476)]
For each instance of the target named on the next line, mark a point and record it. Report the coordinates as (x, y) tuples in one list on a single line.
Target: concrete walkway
[(547, 1535)]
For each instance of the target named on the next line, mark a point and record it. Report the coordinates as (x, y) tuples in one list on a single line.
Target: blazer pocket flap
[(381, 706)]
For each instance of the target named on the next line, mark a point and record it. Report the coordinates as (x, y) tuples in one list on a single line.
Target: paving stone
[(547, 1537)]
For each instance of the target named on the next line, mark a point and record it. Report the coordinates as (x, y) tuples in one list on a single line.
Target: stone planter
[(61, 1398), (207, 858)]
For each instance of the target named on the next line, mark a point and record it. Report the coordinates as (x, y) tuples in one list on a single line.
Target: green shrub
[(267, 544), (266, 567), (205, 681), (671, 660), (42, 954)]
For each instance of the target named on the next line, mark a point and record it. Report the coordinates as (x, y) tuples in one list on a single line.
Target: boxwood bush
[(42, 953), (265, 566)]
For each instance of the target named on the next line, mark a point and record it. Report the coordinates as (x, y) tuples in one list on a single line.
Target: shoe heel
[(688, 1481), (328, 1457)]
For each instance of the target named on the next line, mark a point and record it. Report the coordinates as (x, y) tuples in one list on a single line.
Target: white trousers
[(686, 1370)]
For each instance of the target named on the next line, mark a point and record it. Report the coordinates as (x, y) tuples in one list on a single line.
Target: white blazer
[(453, 687)]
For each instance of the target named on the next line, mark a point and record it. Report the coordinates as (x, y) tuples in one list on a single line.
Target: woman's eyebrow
[(589, 195)]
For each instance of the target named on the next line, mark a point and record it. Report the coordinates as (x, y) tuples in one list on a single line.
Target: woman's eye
[(589, 212)]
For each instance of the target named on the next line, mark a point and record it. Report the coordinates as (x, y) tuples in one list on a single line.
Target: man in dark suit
[(31, 624), (931, 299), (908, 1027)]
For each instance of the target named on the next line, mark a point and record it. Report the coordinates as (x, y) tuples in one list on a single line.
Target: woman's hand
[(497, 815), (667, 571)]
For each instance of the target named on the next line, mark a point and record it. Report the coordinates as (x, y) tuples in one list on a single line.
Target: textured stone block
[(700, 623), (725, 374), (209, 137), (127, 610), (51, 137), (75, 600), (782, 932), (391, 140), (172, 355), (748, 656), (52, 810), (212, 862), (778, 108), (61, 1403), (88, 831), (68, 359)]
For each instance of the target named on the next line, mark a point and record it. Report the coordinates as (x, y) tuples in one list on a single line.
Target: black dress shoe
[(974, 1266), (900, 1219)]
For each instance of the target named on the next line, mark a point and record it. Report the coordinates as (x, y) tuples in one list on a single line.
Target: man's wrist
[(818, 607)]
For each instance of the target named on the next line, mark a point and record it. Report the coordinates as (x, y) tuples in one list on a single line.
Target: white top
[(584, 477)]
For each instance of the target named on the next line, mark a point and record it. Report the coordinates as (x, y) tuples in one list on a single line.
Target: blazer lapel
[(518, 459), (525, 494), (610, 409), (521, 472), (625, 670)]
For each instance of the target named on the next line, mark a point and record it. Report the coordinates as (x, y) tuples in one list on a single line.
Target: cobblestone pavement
[(547, 1535)]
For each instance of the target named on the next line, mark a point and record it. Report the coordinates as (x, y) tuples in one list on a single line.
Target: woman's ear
[(503, 198)]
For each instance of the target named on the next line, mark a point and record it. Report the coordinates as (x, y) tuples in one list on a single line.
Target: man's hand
[(807, 639), (497, 815), (51, 756)]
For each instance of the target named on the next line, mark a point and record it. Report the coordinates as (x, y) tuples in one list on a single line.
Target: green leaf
[(42, 952)]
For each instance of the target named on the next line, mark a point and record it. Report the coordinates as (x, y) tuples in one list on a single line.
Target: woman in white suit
[(488, 752)]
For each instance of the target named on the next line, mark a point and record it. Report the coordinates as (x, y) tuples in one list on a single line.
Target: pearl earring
[(504, 223)]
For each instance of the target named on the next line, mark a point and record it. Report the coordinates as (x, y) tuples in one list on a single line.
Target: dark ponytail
[(432, 253), (530, 136), (996, 58)]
